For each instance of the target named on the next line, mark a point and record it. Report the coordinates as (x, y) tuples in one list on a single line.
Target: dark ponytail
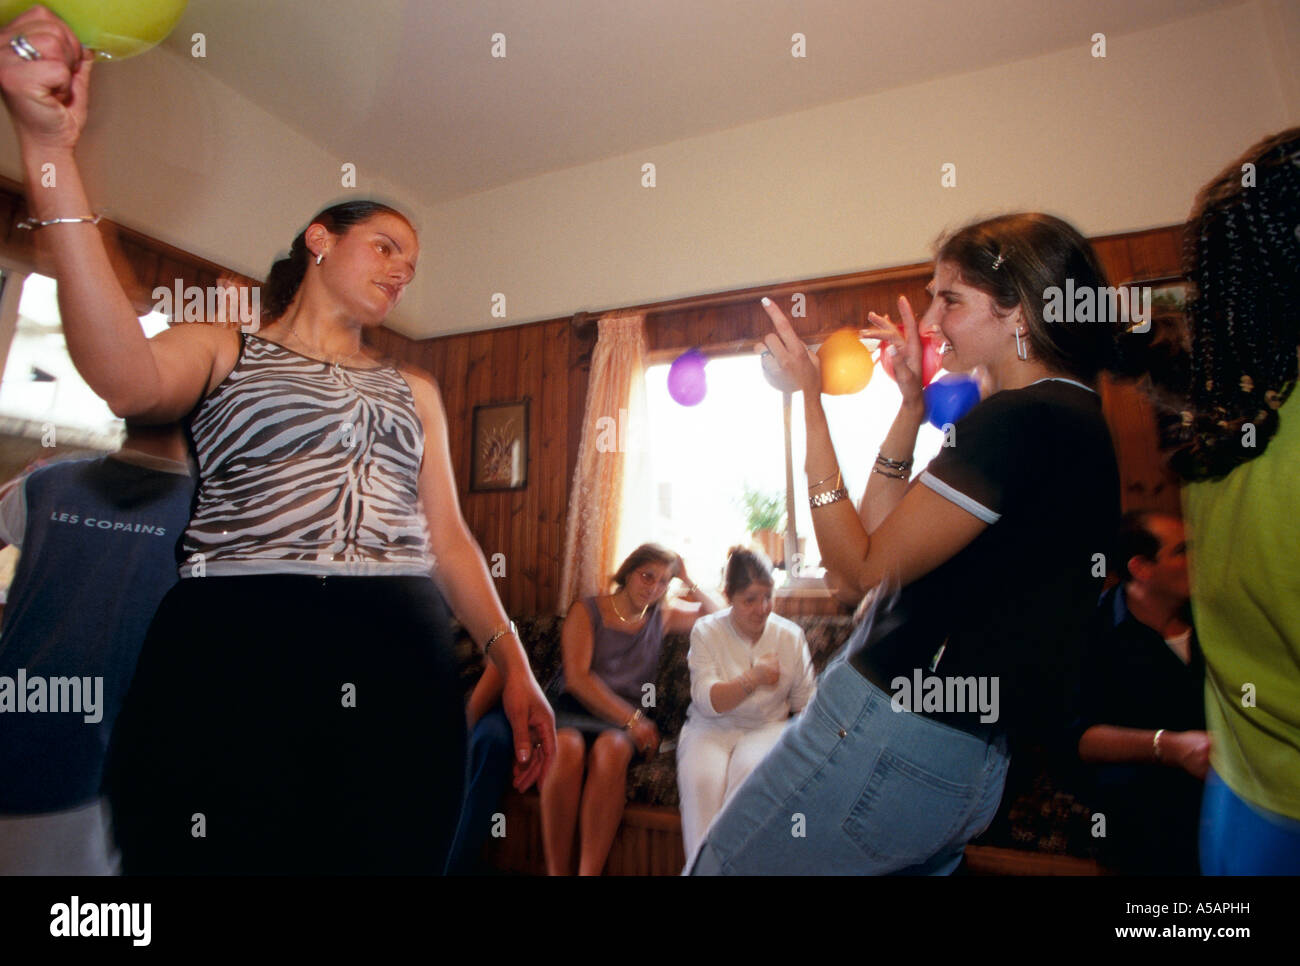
[(286, 274)]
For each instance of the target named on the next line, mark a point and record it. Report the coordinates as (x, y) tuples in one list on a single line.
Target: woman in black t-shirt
[(979, 579)]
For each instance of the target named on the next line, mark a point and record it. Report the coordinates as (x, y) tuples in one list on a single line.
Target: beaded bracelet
[(901, 465), (902, 475)]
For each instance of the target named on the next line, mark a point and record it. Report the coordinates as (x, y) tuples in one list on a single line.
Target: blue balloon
[(950, 398), (686, 382)]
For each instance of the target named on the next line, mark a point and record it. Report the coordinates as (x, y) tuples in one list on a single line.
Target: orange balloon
[(846, 363)]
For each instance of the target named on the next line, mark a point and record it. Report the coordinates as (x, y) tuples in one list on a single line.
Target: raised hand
[(47, 96), (797, 367), (908, 351)]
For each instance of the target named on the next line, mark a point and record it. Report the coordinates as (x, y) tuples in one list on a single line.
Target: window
[(703, 459), (42, 396), (45, 405)]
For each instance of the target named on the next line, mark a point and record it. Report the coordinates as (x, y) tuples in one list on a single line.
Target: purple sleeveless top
[(625, 661)]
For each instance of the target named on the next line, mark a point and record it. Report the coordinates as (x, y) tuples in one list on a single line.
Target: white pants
[(712, 762)]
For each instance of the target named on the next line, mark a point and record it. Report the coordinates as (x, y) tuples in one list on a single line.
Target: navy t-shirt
[(99, 540), (1038, 466)]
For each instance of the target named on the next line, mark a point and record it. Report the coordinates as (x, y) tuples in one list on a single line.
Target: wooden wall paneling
[(508, 519), (1113, 253), (561, 456), (1156, 254), (17, 242), (479, 507), (524, 556), (1146, 483)]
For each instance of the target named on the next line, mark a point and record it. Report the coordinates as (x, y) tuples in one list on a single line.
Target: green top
[(1244, 548)]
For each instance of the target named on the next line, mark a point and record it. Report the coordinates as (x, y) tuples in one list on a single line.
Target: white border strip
[(973, 507)]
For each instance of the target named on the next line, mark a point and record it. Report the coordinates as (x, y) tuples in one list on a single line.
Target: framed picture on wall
[(500, 454), (1168, 306)]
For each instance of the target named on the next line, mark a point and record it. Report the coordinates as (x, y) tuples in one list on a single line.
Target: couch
[(1042, 826)]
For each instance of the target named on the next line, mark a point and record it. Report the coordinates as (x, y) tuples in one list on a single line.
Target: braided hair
[(1242, 256), (286, 274)]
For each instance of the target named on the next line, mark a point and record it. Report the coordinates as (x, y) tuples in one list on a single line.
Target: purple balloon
[(950, 398), (686, 382)]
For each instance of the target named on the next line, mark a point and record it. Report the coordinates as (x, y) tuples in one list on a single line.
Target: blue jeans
[(854, 787), (488, 767), (1238, 838)]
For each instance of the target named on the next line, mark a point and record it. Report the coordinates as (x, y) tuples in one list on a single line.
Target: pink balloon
[(931, 360)]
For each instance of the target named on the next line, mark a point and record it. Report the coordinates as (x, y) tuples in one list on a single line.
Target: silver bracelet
[(827, 498), (31, 224), (510, 629)]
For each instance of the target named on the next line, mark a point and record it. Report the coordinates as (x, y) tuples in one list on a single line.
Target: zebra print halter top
[(307, 468)]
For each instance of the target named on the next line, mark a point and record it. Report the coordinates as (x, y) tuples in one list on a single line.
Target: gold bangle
[(822, 482), (636, 716)]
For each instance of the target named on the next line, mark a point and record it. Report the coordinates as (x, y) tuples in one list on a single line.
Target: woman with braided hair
[(1242, 504)]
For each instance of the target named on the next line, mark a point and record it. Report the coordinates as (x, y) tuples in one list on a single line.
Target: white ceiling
[(408, 90)]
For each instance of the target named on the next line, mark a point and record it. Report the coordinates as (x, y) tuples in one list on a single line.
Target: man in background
[(1142, 723)]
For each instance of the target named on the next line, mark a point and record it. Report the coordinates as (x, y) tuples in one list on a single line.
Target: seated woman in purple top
[(611, 648)]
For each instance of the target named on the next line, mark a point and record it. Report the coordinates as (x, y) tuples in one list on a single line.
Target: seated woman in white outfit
[(750, 670)]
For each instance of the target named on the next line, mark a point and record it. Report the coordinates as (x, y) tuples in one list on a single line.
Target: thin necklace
[(293, 331), (613, 602)]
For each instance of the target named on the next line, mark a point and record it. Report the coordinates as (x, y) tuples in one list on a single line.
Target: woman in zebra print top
[(296, 707)]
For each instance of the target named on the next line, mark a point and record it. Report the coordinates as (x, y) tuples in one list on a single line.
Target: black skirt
[(291, 724)]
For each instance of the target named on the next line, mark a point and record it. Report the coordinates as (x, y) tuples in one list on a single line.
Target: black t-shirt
[(1008, 610)]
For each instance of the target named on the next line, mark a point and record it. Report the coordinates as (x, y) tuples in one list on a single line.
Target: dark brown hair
[(1015, 260), (745, 567), (286, 274)]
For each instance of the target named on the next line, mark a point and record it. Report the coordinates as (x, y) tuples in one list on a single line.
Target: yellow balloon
[(113, 29), (845, 362)]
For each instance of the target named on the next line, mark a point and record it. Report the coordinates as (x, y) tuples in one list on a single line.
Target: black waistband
[(968, 722)]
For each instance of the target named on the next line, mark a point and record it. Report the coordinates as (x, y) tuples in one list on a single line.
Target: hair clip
[(997, 262)]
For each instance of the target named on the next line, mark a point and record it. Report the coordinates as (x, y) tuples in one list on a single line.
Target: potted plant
[(765, 517)]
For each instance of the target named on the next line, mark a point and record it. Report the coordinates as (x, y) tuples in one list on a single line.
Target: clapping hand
[(767, 671)]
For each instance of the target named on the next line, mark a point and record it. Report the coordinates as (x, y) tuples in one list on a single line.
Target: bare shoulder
[(215, 347), (423, 386)]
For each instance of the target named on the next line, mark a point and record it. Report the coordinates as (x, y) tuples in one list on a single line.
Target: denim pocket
[(905, 814)]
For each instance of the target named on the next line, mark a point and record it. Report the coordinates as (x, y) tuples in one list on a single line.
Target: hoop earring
[(1022, 348), (320, 256)]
